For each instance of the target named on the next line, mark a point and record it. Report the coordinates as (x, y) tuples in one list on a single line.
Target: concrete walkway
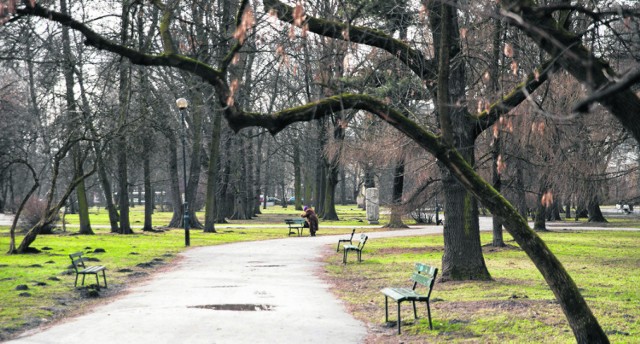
[(276, 276)]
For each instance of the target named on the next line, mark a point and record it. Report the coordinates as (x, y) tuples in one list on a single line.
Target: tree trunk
[(174, 182), (259, 179), (212, 175), (329, 195), (83, 205), (343, 186), (122, 146), (297, 176), (148, 191), (595, 214), (240, 171), (395, 220), (539, 222), (498, 239), (249, 180), (197, 118), (496, 152), (462, 258), (108, 194), (75, 124)]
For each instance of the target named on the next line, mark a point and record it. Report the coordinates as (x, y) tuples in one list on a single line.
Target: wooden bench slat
[(92, 269), (404, 294), (425, 280)]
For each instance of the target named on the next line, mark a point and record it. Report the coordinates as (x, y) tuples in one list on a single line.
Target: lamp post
[(182, 105)]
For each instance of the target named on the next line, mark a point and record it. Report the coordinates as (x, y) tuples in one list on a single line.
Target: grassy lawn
[(516, 307)]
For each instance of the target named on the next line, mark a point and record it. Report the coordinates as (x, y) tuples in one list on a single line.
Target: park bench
[(356, 248), (424, 275), (295, 224), (78, 265), (350, 240)]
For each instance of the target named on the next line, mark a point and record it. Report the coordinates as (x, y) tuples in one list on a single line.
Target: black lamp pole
[(182, 105)]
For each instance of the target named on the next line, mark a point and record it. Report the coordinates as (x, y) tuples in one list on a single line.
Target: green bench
[(350, 240), (356, 248), (424, 275), (78, 265), (295, 224)]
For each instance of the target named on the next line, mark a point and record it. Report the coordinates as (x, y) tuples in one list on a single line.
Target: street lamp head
[(182, 103)]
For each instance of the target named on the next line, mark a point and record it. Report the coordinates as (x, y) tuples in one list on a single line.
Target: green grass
[(516, 307)]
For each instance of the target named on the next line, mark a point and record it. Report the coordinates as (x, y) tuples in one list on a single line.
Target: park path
[(176, 306)]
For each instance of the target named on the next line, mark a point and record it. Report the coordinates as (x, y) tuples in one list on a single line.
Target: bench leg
[(359, 256), (386, 309), (415, 314), (399, 321), (429, 314), (344, 255), (97, 281), (83, 276), (104, 275), (75, 284), (338, 248)]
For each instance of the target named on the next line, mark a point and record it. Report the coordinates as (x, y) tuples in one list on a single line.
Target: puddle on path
[(236, 307)]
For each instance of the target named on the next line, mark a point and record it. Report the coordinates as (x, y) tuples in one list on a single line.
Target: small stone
[(22, 287)]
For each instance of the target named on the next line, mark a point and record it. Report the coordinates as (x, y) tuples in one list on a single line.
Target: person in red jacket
[(312, 219)]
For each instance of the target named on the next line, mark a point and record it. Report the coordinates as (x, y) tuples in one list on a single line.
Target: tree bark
[(75, 125), (462, 258), (395, 220), (212, 175), (297, 176), (122, 145), (595, 214)]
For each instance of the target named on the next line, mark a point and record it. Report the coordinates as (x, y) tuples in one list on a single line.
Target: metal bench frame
[(78, 265), (297, 224), (424, 275), (350, 240), (358, 249)]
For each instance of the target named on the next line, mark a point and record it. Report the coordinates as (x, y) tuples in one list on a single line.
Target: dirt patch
[(489, 248)]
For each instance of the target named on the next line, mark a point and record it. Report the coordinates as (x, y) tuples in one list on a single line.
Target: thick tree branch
[(630, 79), (575, 58), (236, 47), (414, 59), (170, 59), (521, 92)]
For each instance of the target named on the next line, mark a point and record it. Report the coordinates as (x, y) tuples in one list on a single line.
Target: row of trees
[(458, 81)]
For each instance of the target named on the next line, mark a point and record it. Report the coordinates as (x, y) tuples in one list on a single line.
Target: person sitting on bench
[(312, 220)]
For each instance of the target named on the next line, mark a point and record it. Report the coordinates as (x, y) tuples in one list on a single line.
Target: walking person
[(312, 219)]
